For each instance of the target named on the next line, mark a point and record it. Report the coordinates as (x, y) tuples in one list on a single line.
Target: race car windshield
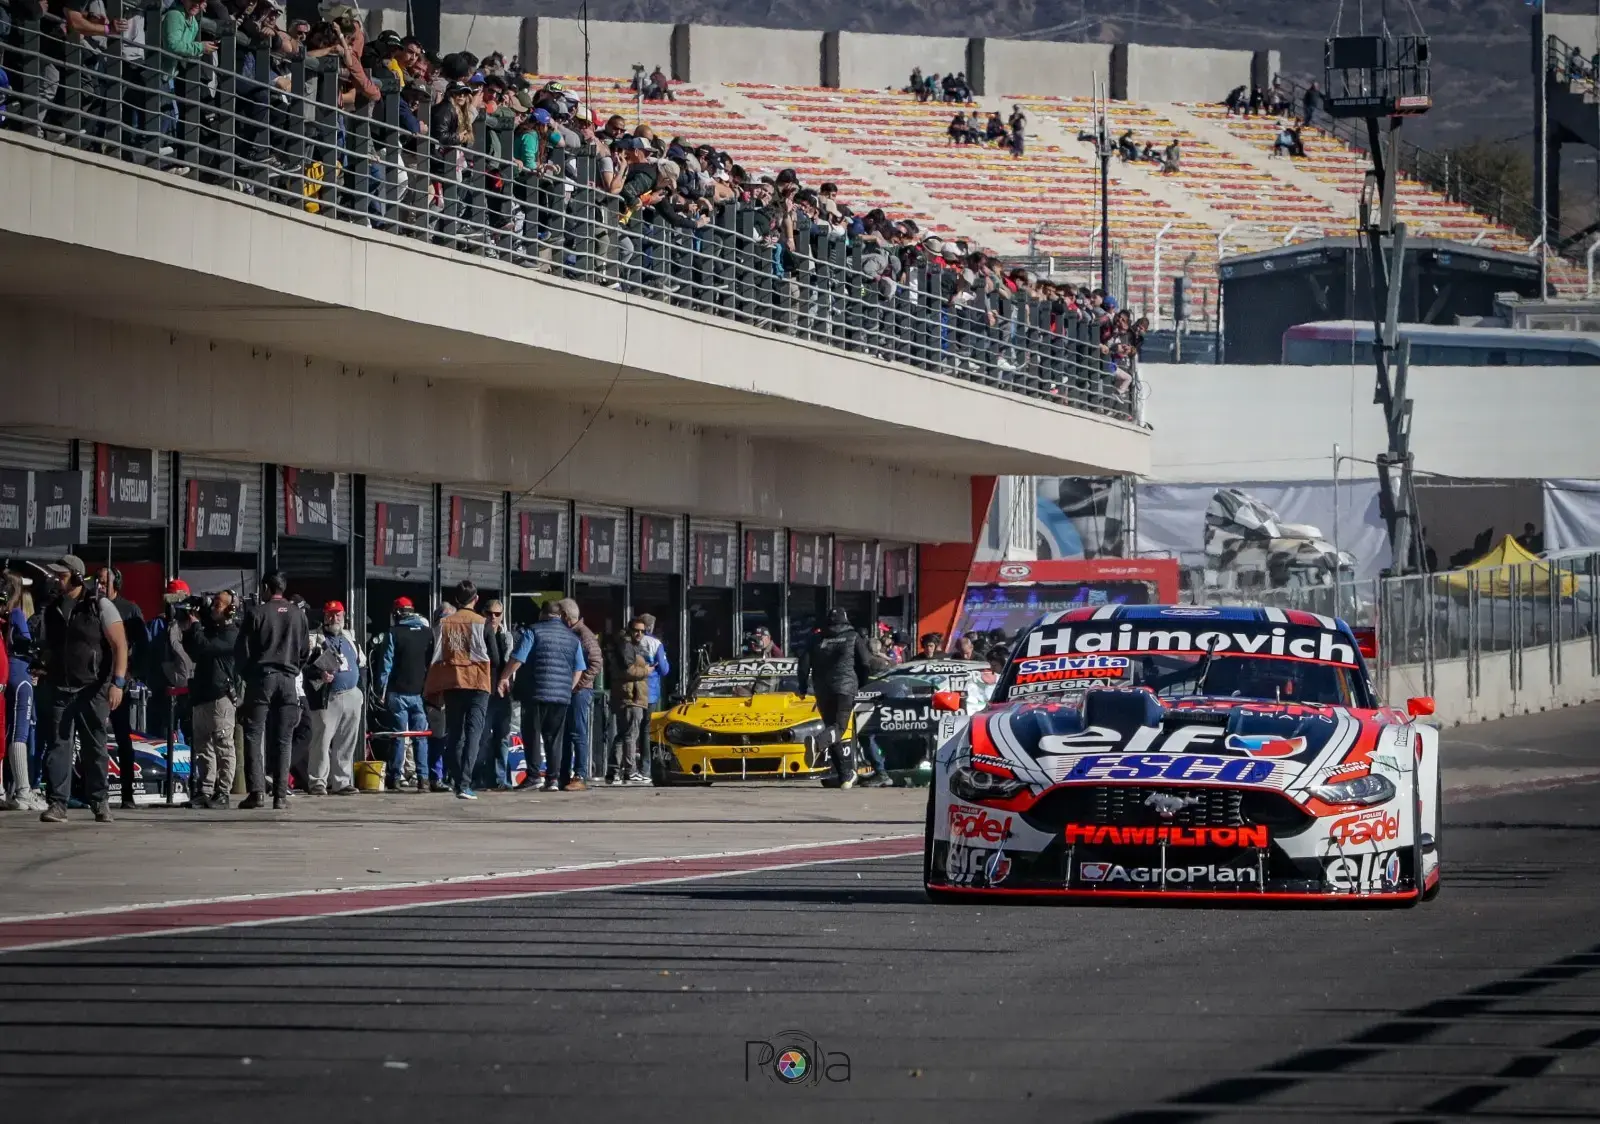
[(713, 686), (1248, 677)]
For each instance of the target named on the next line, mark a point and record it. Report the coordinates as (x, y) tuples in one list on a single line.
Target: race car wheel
[(1438, 829), (935, 895)]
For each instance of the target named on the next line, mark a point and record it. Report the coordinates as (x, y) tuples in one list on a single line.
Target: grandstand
[(885, 149)]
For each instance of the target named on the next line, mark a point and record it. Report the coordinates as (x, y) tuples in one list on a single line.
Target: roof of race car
[(1193, 612)]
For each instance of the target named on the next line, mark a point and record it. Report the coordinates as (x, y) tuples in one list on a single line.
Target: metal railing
[(283, 128), (1424, 619), (1436, 170)]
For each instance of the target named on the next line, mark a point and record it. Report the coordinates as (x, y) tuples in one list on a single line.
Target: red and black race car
[(1187, 751)]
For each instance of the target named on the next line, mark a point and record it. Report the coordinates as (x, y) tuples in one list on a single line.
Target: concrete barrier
[(1506, 683), (1011, 66), (848, 59), (555, 46), (482, 35), (1140, 72), (854, 60), (747, 54)]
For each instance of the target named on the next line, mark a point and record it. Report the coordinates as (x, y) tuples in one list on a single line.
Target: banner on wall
[(539, 537), (60, 508), (472, 529), (1571, 514), (15, 507), (809, 559), (658, 536), (713, 564), (308, 503), (761, 556), (1283, 531), (896, 572), (394, 541), (597, 544), (212, 515), (125, 483), (853, 565)]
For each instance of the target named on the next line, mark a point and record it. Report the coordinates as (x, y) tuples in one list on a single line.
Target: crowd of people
[(291, 685), (1010, 134), (269, 678), (1168, 159), (952, 89)]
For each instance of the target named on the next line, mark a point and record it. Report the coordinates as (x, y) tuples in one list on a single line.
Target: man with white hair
[(575, 755)]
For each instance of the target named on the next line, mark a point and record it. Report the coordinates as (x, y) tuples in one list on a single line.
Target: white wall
[(751, 54), (866, 61), (1280, 422), (481, 35), (557, 47), (1063, 69), (148, 387), (1167, 74)]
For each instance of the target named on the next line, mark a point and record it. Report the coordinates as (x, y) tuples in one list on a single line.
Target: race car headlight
[(975, 784), (681, 733), (1370, 789), (812, 729)]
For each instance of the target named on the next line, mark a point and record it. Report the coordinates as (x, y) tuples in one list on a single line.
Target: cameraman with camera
[(210, 637), (85, 655)]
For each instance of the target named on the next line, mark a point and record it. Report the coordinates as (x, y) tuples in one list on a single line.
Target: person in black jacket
[(497, 722), (834, 664), (274, 641), (213, 701)]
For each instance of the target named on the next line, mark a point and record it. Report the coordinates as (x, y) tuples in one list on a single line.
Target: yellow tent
[(1509, 568)]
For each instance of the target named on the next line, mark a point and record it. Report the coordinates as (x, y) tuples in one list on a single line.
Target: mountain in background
[(1483, 82)]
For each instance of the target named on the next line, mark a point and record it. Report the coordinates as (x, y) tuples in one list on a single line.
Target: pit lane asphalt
[(637, 1004)]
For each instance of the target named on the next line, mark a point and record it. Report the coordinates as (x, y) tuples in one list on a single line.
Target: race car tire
[(935, 895), (1438, 829)]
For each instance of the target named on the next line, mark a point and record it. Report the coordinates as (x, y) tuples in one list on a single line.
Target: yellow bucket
[(369, 775)]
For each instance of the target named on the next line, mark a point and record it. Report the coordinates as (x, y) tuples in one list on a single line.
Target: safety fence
[(281, 128)]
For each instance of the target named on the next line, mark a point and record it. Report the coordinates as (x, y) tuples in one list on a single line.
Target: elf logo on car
[(1372, 871), (963, 865), (1364, 829), (976, 825)]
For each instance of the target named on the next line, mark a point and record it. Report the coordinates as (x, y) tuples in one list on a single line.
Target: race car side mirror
[(1419, 707), (947, 701)]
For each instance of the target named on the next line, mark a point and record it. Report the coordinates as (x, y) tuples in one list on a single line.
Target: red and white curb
[(91, 926)]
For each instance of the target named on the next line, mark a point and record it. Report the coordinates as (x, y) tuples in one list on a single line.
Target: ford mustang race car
[(743, 720), (895, 712), (1187, 752)]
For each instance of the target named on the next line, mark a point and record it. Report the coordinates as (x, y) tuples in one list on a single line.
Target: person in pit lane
[(838, 661)]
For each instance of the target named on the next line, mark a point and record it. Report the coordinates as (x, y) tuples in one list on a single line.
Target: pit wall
[(1505, 683), (848, 59)]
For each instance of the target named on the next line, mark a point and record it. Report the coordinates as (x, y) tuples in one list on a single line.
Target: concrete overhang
[(78, 230)]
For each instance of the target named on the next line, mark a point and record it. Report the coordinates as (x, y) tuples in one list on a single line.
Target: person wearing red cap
[(336, 724)]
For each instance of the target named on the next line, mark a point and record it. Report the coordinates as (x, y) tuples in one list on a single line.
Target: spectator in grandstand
[(914, 85), (1172, 158), (1258, 102), (995, 129), (1277, 98), (1237, 101), (1127, 147), (659, 87), (1310, 104), (1116, 346), (930, 88), (963, 131)]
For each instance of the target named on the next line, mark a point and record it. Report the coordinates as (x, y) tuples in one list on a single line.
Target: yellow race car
[(743, 720)]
